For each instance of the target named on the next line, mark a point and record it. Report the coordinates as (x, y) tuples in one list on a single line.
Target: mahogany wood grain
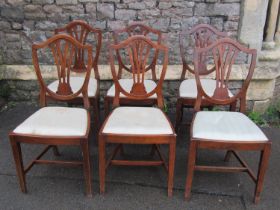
[(134, 30), (138, 48), (224, 52), (62, 47), (83, 32), (201, 35)]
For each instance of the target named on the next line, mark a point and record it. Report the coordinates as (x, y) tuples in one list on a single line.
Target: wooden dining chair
[(120, 35), (226, 130), (56, 125), (85, 34), (201, 35), (134, 124)]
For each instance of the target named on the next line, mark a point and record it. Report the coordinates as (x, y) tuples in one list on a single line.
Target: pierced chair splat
[(134, 124), (85, 34), (226, 130), (56, 125), (201, 35), (122, 34)]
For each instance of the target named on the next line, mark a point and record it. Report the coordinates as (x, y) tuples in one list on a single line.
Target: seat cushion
[(226, 126), (127, 85), (188, 88), (55, 121), (76, 83), (137, 120)]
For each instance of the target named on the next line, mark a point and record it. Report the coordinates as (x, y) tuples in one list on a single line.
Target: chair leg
[(228, 155), (190, 172), (153, 150), (264, 158), (106, 107), (55, 150), (179, 114), (171, 164), (122, 151), (96, 116), (19, 164), (86, 166), (233, 106), (102, 164)]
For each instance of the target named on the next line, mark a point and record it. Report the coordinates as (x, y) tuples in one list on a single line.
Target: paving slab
[(54, 187)]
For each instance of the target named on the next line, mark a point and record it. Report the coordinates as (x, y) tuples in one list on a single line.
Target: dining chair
[(56, 125), (231, 130), (120, 35), (85, 34), (201, 35), (135, 124)]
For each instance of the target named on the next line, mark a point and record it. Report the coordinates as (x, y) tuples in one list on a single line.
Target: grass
[(271, 117), (257, 118)]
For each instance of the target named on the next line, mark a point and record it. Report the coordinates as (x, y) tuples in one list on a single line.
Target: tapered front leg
[(179, 114), (190, 168), (55, 150), (228, 155), (16, 148), (264, 159), (171, 165), (87, 167), (102, 164)]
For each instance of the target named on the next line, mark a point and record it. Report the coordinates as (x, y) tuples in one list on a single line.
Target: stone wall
[(28, 91), (23, 85), (21, 20), (276, 95)]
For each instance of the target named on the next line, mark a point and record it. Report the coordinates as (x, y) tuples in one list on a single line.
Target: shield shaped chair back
[(85, 34), (61, 49), (225, 56), (137, 50), (201, 36), (138, 29)]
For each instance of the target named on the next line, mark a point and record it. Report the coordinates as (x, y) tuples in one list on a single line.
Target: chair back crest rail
[(81, 31), (201, 35), (132, 30), (137, 50), (223, 54), (62, 48)]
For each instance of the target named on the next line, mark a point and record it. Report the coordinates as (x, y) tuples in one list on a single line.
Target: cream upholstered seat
[(55, 121), (226, 126), (137, 120), (126, 84), (188, 88), (76, 83)]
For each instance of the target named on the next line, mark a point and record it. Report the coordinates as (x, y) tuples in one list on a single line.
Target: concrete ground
[(54, 187)]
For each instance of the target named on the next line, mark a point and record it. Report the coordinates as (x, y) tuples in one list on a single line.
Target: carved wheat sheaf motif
[(223, 54), (80, 33), (63, 53), (201, 35), (83, 33), (138, 53), (224, 57), (62, 48), (135, 30), (137, 50)]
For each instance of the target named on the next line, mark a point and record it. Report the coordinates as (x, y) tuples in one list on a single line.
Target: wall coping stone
[(264, 71)]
